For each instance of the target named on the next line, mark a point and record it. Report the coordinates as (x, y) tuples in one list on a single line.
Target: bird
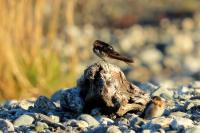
[(155, 108), (103, 50)]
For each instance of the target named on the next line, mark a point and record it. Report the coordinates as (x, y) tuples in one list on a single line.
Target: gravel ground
[(182, 113)]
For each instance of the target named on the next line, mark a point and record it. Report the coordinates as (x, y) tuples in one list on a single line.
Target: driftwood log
[(105, 86)]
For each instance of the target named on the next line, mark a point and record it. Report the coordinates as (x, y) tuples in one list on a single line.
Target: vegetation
[(30, 62)]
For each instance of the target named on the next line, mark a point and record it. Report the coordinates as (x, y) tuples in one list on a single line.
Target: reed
[(31, 63)]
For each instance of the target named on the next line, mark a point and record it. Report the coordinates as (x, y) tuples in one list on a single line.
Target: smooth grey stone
[(113, 129), (157, 123), (23, 120), (179, 114), (137, 121), (26, 104), (89, 119), (48, 120), (148, 87), (174, 124), (185, 122), (104, 121), (55, 118), (77, 123), (146, 131), (163, 92), (193, 129), (100, 129), (122, 121), (6, 125), (40, 126), (129, 131)]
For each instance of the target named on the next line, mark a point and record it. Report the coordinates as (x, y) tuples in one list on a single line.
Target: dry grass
[(30, 65)]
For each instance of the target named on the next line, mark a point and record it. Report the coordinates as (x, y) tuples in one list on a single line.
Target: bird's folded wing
[(117, 56)]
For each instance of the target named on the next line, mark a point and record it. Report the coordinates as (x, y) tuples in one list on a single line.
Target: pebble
[(56, 97), (71, 100), (146, 131), (105, 121), (113, 129), (82, 124), (183, 116), (6, 125), (56, 119), (25, 104), (192, 103), (89, 119), (163, 92), (148, 87), (185, 122), (157, 123), (44, 104), (193, 130), (24, 120), (40, 126)]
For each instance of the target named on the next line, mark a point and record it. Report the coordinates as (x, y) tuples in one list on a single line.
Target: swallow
[(102, 50), (155, 108)]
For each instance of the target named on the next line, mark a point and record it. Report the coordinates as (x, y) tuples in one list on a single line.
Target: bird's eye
[(110, 48)]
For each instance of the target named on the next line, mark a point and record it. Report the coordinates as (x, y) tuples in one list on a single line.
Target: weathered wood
[(104, 85)]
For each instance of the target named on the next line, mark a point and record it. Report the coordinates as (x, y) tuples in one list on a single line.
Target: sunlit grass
[(30, 64)]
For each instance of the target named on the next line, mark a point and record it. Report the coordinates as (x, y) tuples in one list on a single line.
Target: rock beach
[(104, 101)]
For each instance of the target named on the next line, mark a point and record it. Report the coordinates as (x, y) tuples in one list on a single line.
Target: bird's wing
[(117, 56)]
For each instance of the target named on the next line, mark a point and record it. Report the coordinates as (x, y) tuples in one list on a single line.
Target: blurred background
[(46, 44)]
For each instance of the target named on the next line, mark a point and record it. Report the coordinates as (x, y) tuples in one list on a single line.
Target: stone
[(192, 103), (122, 121), (25, 104), (157, 123), (49, 121), (105, 121), (179, 114), (6, 125), (41, 126), (82, 124), (174, 124), (23, 129), (183, 44), (146, 131), (151, 56), (56, 97), (70, 122), (56, 119), (11, 104), (163, 92), (24, 120), (113, 129), (148, 87), (71, 100), (129, 131), (185, 122), (99, 129), (195, 129), (104, 85), (96, 111), (137, 121), (44, 105), (182, 90), (89, 119)]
